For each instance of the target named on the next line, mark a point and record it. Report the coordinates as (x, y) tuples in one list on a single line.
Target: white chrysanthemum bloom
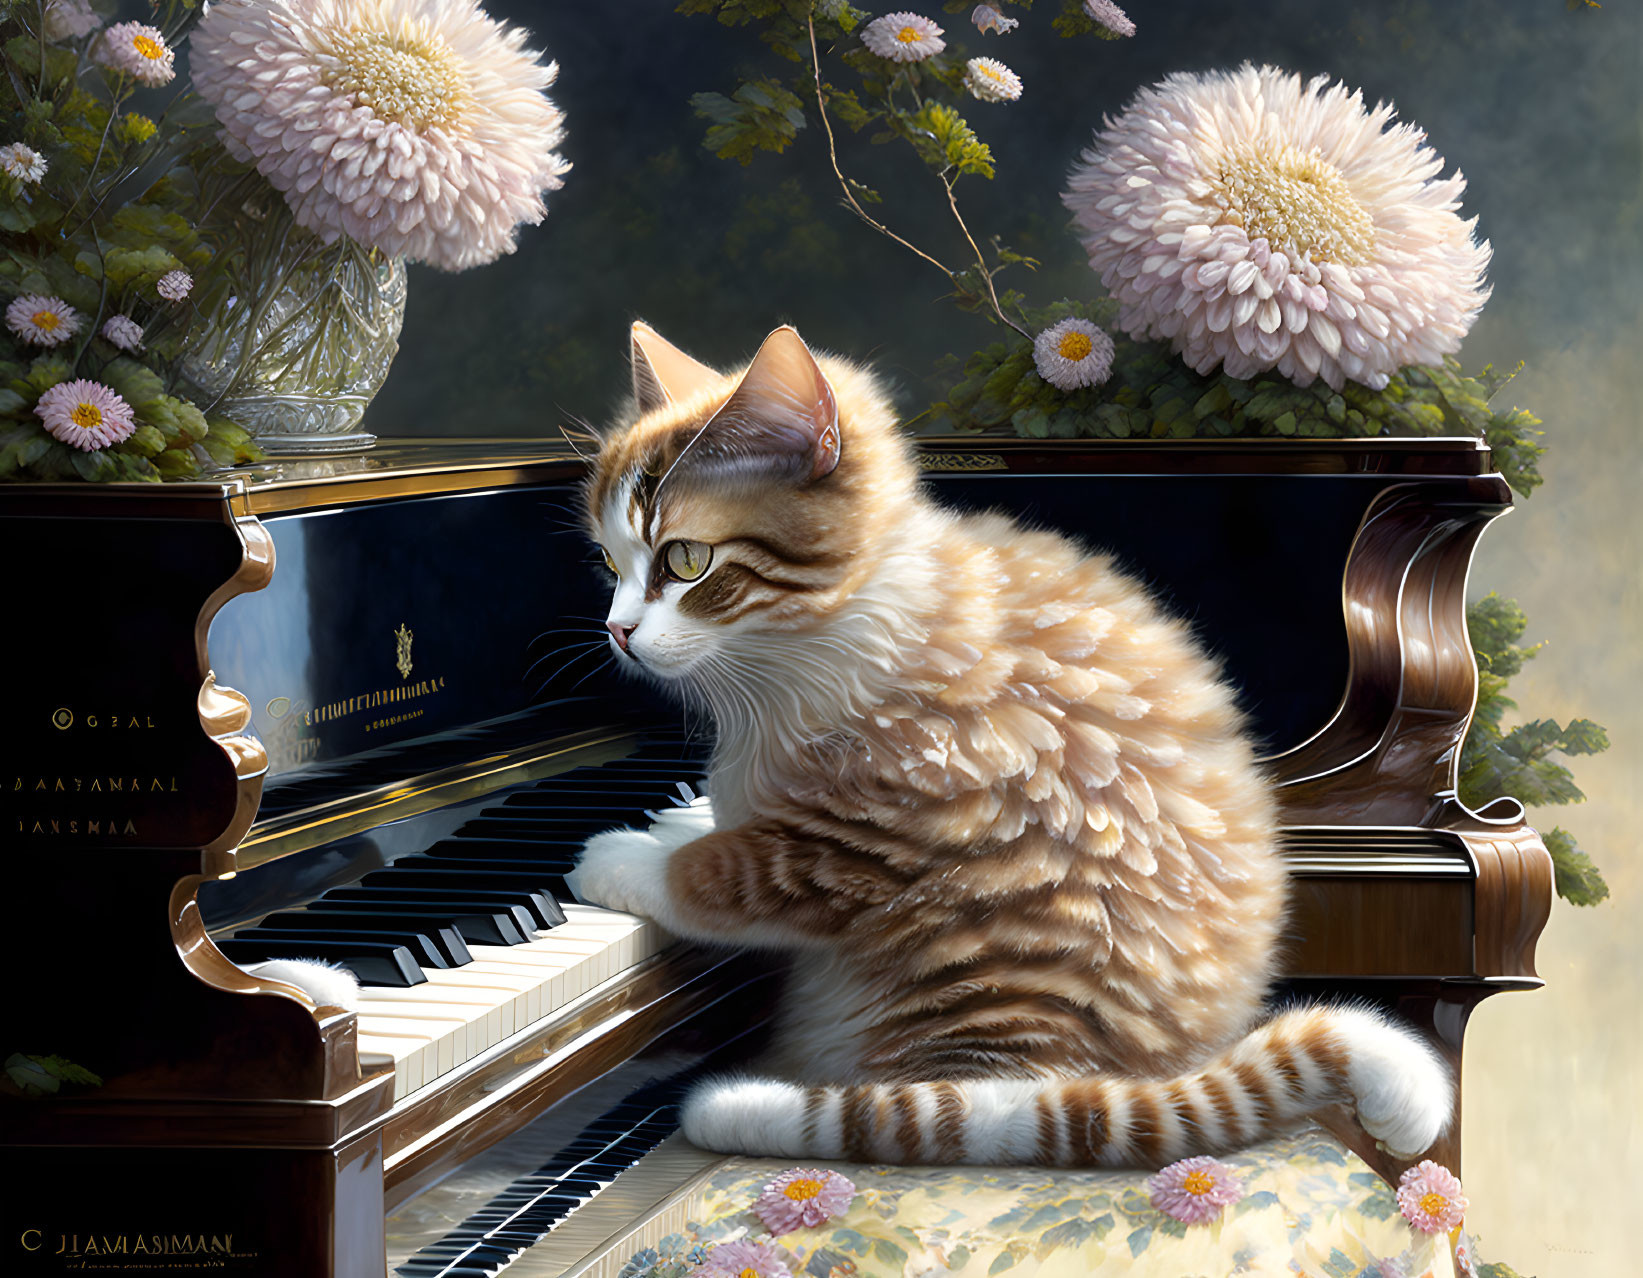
[(1110, 16), (991, 81), (138, 50), (988, 19), (42, 320), (1256, 222), (417, 127), (1073, 354), (23, 162), (174, 286), (85, 414), (124, 332), (903, 37), (70, 19)]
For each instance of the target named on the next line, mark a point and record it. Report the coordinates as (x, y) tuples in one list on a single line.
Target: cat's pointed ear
[(782, 420), (662, 372)]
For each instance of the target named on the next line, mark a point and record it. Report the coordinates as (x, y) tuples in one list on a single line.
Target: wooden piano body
[(379, 626)]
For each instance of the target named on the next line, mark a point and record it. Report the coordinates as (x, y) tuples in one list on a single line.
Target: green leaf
[(134, 382), (761, 115), (946, 141), (12, 404), (1578, 880), (95, 466)]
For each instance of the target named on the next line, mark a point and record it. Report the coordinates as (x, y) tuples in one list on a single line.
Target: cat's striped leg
[(762, 883)]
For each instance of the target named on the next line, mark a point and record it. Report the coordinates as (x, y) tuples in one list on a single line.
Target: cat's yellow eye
[(687, 560), (609, 562)]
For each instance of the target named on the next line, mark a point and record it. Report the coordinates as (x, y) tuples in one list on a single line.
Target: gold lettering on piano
[(181, 1251), (370, 700), (95, 785), (402, 657), (114, 828), (63, 718)]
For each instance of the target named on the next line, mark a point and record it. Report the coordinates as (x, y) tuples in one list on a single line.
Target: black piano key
[(446, 942), (427, 874), (537, 852), (422, 949), (490, 927), (542, 907), (514, 827), (374, 962)]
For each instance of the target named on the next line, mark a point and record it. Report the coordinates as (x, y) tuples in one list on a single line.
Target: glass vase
[(295, 335)]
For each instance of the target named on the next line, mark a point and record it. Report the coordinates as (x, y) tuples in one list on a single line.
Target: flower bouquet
[(188, 267)]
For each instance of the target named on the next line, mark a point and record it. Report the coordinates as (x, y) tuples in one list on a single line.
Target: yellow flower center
[(748, 1272), (1433, 1203), (414, 80), (1075, 346), (86, 416), (909, 35), (1198, 1183), (803, 1190), (1297, 200), (149, 47), (47, 321)]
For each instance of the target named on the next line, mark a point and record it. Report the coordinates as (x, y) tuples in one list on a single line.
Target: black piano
[(361, 708)]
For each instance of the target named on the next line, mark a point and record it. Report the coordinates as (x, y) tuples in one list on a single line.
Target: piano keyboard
[(572, 1194), (475, 938)]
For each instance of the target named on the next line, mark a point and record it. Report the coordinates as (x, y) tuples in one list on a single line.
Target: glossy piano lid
[(407, 467)]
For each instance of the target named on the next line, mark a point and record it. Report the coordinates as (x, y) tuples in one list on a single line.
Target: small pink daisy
[(1195, 1190), (903, 37), (1430, 1198), (802, 1199), (124, 332), (138, 50), (174, 285), (744, 1259), (45, 321), (85, 414)]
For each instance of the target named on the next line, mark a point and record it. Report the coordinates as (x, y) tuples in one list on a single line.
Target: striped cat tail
[(1293, 1065)]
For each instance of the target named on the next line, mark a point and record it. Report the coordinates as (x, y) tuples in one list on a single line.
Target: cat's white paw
[(676, 826), (623, 870), (325, 983), (757, 1116), (1404, 1093)]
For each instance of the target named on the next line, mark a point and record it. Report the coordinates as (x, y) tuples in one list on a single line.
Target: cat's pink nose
[(621, 632)]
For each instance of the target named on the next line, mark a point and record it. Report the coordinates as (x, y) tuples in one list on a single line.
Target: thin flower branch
[(981, 261), (833, 155)]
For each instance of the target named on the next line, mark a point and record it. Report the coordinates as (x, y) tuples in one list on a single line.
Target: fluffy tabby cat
[(990, 795)]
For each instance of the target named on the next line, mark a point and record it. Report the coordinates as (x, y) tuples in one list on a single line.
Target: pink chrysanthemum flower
[(1073, 354), (417, 127), (70, 19), (1194, 1190), (85, 414), (174, 286), (1110, 16), (802, 1199), (138, 50), (1257, 221), (22, 162), (903, 37), (42, 320), (991, 81), (744, 1259), (1430, 1198), (988, 19), (124, 332)]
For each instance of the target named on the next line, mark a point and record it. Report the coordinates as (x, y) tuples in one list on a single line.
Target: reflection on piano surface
[(402, 750)]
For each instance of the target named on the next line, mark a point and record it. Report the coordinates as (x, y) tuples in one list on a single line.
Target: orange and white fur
[(994, 800)]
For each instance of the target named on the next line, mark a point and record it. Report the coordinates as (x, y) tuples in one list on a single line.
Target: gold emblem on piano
[(402, 658)]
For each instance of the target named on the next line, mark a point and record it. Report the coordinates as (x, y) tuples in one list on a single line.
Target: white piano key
[(461, 1013)]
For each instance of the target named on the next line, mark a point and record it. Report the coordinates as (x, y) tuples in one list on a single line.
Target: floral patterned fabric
[(1309, 1207)]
